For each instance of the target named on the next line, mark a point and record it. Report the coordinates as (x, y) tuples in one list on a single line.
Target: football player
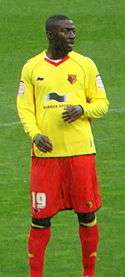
[(60, 93)]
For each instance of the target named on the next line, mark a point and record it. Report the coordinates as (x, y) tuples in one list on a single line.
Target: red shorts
[(64, 183)]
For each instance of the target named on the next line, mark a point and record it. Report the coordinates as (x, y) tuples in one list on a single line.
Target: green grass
[(100, 35)]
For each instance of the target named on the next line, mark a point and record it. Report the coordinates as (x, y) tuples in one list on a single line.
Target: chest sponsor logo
[(72, 78), (55, 96)]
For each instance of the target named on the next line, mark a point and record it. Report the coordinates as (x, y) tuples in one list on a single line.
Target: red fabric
[(89, 237), (65, 183), (37, 243)]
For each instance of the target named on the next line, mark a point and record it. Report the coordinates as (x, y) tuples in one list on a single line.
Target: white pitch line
[(117, 110), (9, 124)]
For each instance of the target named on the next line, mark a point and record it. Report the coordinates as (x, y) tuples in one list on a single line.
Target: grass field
[(101, 36)]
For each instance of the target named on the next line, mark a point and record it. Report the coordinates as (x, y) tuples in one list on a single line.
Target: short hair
[(52, 21)]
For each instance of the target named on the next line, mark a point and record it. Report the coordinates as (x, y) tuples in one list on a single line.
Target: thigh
[(85, 193), (44, 187)]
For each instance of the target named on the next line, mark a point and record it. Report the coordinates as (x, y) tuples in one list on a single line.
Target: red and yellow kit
[(64, 183), (47, 88), (66, 177)]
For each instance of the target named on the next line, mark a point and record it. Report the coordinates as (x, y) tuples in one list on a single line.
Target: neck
[(53, 53)]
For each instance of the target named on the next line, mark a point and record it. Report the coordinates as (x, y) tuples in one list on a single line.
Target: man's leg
[(38, 239), (45, 195), (89, 237)]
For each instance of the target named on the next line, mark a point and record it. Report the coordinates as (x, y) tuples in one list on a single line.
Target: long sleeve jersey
[(46, 88)]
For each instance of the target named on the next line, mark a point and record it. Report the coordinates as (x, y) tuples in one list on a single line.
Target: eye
[(66, 31), (74, 31)]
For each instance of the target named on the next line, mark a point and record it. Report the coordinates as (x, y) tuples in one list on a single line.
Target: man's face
[(64, 36)]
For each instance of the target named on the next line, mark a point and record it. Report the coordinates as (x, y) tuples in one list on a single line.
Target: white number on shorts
[(38, 200)]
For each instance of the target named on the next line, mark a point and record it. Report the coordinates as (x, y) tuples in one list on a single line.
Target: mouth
[(67, 45), (71, 43)]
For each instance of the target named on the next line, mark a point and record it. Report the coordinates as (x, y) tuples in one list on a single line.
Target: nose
[(72, 34)]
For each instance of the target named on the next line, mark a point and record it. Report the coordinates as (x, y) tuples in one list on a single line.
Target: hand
[(43, 143), (72, 113)]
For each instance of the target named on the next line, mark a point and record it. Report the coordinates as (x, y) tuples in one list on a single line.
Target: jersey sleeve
[(97, 102), (26, 103)]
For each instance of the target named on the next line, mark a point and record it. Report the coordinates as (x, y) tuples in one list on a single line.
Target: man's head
[(60, 32)]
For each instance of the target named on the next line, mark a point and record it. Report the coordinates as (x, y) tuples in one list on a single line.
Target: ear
[(50, 35)]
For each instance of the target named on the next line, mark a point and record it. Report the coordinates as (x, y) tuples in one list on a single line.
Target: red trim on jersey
[(58, 63)]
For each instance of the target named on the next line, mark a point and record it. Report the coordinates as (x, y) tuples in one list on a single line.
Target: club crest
[(72, 78), (89, 204)]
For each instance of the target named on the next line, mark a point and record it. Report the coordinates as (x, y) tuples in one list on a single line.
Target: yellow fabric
[(37, 226), (94, 254), (75, 81), (30, 255)]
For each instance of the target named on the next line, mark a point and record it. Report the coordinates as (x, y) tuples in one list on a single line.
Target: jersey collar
[(56, 63)]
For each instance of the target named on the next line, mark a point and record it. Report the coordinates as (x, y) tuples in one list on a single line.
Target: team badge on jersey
[(72, 78), (89, 204), (21, 88), (99, 82)]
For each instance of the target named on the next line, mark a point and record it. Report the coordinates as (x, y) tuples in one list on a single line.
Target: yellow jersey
[(46, 88)]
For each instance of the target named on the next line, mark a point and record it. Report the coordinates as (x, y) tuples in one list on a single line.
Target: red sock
[(89, 237), (37, 243)]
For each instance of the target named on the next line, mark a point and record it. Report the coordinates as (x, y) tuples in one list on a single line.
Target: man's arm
[(97, 103), (26, 111), (25, 103)]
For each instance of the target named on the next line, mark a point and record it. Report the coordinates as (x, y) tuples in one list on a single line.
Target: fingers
[(43, 144), (45, 147), (72, 113), (68, 117)]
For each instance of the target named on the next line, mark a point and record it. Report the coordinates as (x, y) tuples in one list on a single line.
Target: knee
[(86, 219), (41, 223)]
